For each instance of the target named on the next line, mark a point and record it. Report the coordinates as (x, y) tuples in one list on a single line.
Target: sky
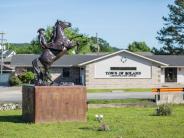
[(119, 22)]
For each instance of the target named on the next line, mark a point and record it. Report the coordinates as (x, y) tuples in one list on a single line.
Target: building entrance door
[(170, 74)]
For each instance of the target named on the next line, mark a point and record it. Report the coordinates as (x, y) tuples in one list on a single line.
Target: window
[(66, 72), (123, 68)]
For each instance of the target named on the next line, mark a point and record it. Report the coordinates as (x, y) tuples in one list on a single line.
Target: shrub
[(27, 77), (14, 80), (163, 110)]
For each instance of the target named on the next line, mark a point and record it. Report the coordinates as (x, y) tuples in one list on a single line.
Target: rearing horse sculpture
[(52, 51)]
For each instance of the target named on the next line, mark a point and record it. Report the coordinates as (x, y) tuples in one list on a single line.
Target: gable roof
[(66, 60), (120, 51)]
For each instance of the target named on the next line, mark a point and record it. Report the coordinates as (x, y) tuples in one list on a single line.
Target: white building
[(122, 69)]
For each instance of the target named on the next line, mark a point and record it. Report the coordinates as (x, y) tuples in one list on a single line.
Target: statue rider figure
[(43, 43), (41, 38)]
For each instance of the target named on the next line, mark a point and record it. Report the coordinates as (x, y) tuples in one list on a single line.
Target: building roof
[(80, 60), (171, 60), (66, 60)]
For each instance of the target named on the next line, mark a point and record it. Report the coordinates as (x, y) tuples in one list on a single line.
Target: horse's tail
[(36, 67)]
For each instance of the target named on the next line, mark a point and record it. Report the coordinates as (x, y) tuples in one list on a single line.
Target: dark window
[(66, 72), (170, 74), (123, 68)]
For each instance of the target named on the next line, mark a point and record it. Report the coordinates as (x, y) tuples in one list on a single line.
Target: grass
[(125, 90), (121, 101), (129, 122)]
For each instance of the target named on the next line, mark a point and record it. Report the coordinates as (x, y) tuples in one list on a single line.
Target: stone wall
[(100, 83)]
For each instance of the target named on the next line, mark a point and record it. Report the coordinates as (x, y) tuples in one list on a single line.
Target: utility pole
[(2, 48), (98, 47)]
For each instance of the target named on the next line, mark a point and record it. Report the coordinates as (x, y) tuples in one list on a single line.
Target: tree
[(21, 48), (138, 47), (172, 34)]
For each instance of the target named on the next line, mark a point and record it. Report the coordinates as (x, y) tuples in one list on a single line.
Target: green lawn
[(120, 101), (123, 122), (125, 90)]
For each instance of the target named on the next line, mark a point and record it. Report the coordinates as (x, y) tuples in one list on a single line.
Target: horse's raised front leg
[(71, 45)]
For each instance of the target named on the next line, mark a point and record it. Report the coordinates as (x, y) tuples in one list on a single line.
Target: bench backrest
[(167, 89)]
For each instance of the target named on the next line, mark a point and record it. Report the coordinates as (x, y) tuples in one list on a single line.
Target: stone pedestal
[(54, 103), (169, 98)]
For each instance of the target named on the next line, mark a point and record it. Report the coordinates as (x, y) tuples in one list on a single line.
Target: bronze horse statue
[(52, 51)]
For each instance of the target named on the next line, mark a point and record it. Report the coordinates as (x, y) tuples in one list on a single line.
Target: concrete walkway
[(13, 94)]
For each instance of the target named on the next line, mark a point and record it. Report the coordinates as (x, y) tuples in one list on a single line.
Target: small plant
[(103, 126), (163, 110), (27, 77), (14, 80), (99, 118)]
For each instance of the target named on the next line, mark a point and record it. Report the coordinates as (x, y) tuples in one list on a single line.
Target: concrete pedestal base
[(169, 98), (54, 103)]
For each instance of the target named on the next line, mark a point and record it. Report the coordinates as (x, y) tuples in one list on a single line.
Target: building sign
[(122, 73), (122, 66)]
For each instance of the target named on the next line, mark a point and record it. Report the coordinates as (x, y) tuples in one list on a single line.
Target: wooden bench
[(168, 90)]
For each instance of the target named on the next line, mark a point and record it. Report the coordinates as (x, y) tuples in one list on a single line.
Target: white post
[(2, 39), (98, 47)]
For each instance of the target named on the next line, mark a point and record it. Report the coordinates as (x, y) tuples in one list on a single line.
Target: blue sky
[(118, 21)]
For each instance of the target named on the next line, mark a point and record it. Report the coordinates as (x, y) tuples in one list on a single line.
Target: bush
[(14, 81), (27, 77), (163, 110)]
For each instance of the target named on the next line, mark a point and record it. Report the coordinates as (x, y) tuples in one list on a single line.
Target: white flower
[(101, 116), (96, 116)]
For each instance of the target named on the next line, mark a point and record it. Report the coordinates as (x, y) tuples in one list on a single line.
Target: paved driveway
[(13, 94), (10, 94)]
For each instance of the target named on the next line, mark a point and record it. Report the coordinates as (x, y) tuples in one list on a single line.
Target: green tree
[(24, 48), (172, 34), (138, 47)]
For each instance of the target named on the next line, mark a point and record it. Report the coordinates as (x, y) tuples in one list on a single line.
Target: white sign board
[(123, 66)]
